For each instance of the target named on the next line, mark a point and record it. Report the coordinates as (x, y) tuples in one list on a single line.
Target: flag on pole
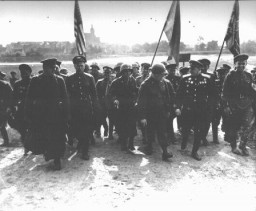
[(232, 35), (79, 31), (172, 31)]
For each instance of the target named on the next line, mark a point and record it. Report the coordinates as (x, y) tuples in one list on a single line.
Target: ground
[(112, 179)]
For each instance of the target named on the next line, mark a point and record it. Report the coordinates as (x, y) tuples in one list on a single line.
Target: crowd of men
[(53, 108)]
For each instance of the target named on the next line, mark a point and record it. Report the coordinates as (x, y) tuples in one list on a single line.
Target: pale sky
[(54, 20)]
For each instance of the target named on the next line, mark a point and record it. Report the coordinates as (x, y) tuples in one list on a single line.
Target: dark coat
[(175, 81), (237, 90), (5, 100), (154, 100), (196, 92), (46, 108)]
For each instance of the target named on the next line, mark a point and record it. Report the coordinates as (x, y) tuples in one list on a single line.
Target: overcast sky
[(122, 22)]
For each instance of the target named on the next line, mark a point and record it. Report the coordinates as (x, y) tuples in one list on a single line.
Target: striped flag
[(79, 31), (232, 35), (172, 31)]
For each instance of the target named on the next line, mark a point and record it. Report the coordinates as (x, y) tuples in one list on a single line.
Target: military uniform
[(46, 109), (193, 97), (175, 81), (19, 95), (102, 88), (83, 103), (155, 103), (5, 105), (125, 91), (238, 95)]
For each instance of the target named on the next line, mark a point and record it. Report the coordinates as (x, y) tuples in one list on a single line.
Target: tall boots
[(215, 134)]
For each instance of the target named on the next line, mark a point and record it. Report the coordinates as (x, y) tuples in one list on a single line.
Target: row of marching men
[(57, 107)]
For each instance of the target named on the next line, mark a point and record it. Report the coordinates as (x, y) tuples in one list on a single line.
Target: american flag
[(172, 30), (232, 35), (79, 31)]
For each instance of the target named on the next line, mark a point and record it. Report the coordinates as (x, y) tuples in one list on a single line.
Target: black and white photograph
[(128, 105)]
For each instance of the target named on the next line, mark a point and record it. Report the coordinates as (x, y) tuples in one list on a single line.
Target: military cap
[(2, 74), (221, 70), (49, 62), (107, 68), (164, 63), (125, 67), (64, 71), (158, 69), (77, 59), (118, 65), (145, 65), (204, 61), (25, 67), (253, 70), (195, 63), (40, 72), (241, 57), (226, 66), (184, 70), (58, 63), (94, 64), (136, 64), (171, 66)]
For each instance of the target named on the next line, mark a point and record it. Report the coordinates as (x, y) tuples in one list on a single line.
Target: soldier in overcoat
[(46, 109), (5, 107)]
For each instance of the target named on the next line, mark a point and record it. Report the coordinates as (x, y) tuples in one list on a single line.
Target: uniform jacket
[(102, 87), (139, 80), (124, 91), (46, 103), (155, 100), (82, 93), (195, 92), (5, 97), (237, 90), (19, 92), (175, 81)]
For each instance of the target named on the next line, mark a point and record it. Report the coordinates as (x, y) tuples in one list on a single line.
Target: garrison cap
[(107, 68), (241, 57), (77, 59), (204, 61), (51, 61), (195, 63), (226, 66), (125, 67), (94, 64), (145, 65), (25, 67), (158, 69), (2, 74), (184, 70)]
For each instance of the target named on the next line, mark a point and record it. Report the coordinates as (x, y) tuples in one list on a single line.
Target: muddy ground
[(112, 179)]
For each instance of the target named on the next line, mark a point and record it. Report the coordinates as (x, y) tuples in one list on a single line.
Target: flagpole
[(157, 45), (219, 56)]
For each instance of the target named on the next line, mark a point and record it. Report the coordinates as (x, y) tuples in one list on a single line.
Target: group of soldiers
[(54, 108)]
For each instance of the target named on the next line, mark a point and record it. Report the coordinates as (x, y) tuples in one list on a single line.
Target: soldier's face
[(194, 70), (240, 65), (144, 71), (80, 66)]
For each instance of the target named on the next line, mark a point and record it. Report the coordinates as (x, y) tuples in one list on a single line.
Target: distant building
[(91, 39)]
